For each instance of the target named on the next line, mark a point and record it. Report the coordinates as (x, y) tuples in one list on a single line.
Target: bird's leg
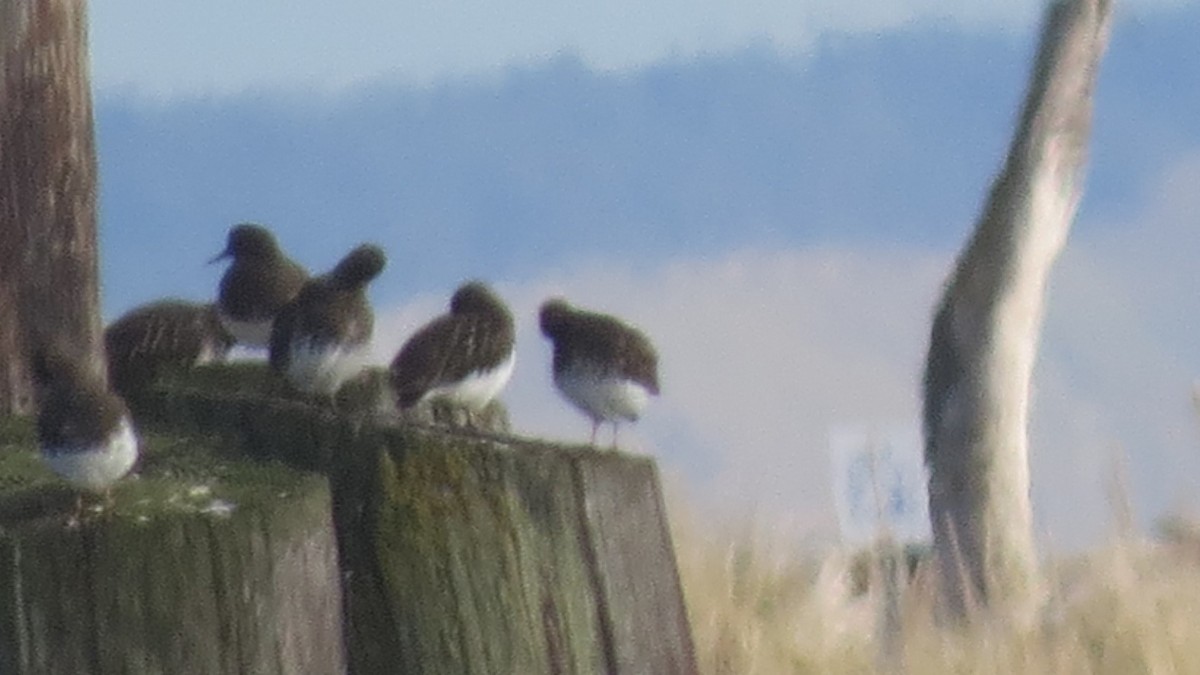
[(441, 413), (76, 516), (614, 443), (595, 426), (329, 398)]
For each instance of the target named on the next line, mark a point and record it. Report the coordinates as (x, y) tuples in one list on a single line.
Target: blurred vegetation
[(1129, 606)]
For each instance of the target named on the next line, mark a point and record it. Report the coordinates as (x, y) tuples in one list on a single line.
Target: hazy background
[(773, 190)]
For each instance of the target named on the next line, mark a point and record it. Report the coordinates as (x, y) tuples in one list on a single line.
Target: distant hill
[(883, 140)]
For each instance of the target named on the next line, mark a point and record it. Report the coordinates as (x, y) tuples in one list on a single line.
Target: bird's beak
[(220, 256)]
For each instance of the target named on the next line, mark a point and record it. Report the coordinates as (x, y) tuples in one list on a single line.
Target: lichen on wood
[(480, 554), (460, 551), (202, 563)]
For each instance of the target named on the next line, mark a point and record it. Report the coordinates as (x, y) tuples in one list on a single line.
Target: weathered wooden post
[(385, 547), (47, 188), (985, 335), (204, 564), (469, 553)]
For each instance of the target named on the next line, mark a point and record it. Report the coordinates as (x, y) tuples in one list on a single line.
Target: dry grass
[(1130, 607)]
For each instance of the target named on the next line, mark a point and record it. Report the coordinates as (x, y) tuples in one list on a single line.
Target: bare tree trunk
[(48, 275), (985, 336)]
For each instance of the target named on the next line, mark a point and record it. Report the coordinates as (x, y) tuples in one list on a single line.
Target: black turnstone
[(319, 338), (605, 367), (261, 280), (83, 428), (159, 336), (464, 357)]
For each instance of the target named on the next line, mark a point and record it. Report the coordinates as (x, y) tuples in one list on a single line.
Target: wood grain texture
[(203, 565), (633, 566), (48, 255), (464, 552), (985, 334)]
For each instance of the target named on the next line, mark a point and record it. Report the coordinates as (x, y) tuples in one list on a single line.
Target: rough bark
[(203, 564), (48, 267), (985, 335), (470, 553)]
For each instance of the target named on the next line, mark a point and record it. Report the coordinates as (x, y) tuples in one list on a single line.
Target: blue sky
[(223, 46), (773, 190)]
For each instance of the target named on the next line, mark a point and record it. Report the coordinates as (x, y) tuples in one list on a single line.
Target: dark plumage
[(605, 367), (317, 337), (161, 336), (465, 356), (261, 280), (83, 428)]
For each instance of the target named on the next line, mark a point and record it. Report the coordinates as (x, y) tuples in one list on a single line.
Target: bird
[(259, 282), (318, 339), (465, 356), (602, 365), (159, 336), (84, 429)]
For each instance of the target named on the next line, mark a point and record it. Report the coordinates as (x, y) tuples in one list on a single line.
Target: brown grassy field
[(1131, 606)]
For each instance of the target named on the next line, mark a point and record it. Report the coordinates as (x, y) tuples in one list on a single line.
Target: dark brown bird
[(465, 356), (318, 339), (161, 336), (84, 429), (605, 367), (261, 280)]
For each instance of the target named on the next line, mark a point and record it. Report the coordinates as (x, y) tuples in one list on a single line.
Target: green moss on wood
[(459, 551), (367, 396), (196, 566), (174, 474), (483, 567)]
